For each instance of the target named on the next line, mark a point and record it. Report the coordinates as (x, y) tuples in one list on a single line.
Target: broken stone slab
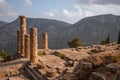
[(75, 63), (15, 78), (41, 66), (113, 67), (51, 72), (118, 77), (32, 66), (60, 70), (69, 70), (97, 76), (42, 71)]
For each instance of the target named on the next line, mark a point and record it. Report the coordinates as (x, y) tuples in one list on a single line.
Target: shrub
[(41, 53), (3, 54), (106, 41), (8, 58), (119, 38), (60, 55), (117, 58), (74, 43)]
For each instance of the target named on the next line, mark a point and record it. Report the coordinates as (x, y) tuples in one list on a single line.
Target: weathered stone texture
[(51, 72), (97, 76), (45, 41), (18, 41), (23, 33), (33, 45), (27, 46)]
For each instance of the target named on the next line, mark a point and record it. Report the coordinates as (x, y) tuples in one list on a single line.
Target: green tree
[(3, 54), (8, 58), (119, 38), (74, 43), (106, 41)]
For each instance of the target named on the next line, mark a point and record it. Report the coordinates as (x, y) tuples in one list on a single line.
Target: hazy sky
[(66, 10)]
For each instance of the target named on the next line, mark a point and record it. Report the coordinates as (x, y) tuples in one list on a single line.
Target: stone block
[(51, 72), (97, 76)]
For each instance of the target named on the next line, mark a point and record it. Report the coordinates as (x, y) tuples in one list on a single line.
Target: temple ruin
[(95, 62), (27, 44)]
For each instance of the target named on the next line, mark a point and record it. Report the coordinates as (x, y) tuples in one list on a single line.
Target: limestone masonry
[(33, 45), (23, 33), (27, 46), (18, 42), (45, 41)]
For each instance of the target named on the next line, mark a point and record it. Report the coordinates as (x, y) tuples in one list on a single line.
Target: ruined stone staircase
[(16, 56), (32, 73), (69, 62)]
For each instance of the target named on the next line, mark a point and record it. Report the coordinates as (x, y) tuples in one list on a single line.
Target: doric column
[(18, 41), (27, 46), (23, 33), (45, 41), (33, 45)]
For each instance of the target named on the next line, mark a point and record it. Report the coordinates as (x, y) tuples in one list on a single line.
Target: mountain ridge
[(91, 30)]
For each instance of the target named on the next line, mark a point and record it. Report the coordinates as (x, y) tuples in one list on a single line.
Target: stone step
[(16, 56), (19, 56), (30, 73), (35, 73)]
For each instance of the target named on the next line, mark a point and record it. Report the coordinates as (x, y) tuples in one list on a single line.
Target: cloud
[(6, 9), (27, 2), (99, 2), (81, 11), (49, 14), (77, 13), (68, 13)]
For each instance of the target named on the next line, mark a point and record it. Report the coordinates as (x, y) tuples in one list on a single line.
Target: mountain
[(54, 28), (2, 23), (91, 30)]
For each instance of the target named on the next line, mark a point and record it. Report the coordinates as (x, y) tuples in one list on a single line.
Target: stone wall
[(12, 67)]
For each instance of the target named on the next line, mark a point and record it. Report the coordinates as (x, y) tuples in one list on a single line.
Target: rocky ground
[(96, 62)]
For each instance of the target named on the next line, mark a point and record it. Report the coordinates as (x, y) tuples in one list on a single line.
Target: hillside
[(53, 27), (91, 30), (2, 23)]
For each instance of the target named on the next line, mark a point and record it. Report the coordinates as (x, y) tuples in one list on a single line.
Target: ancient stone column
[(45, 41), (18, 41), (33, 45), (27, 46), (23, 33)]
